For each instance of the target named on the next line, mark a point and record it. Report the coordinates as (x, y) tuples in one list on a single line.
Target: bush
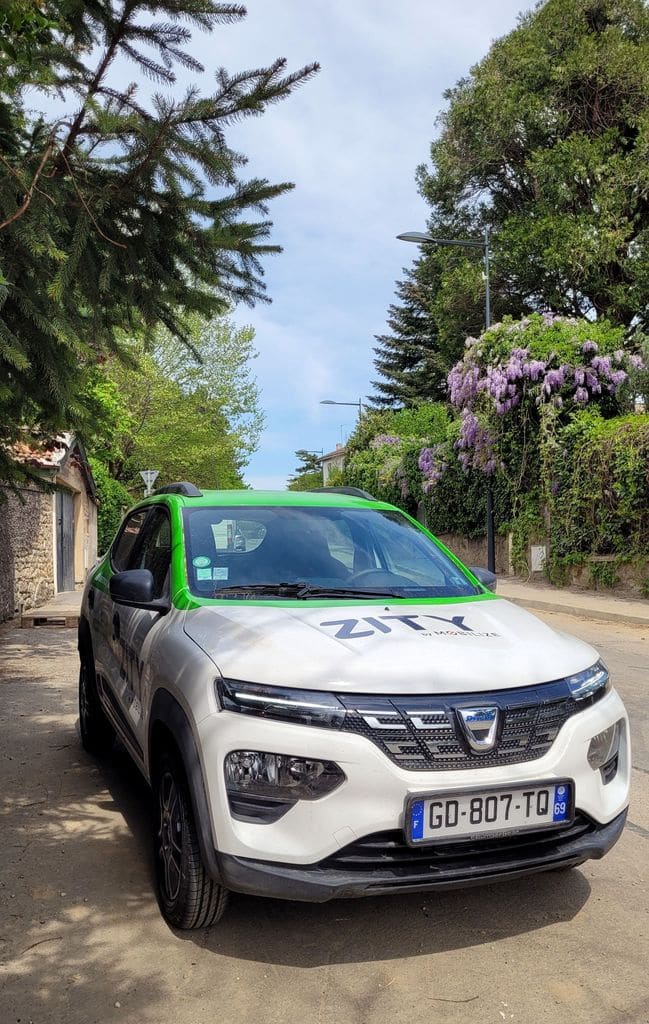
[(114, 500), (599, 487)]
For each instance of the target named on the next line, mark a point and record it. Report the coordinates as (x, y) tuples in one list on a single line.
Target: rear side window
[(124, 544)]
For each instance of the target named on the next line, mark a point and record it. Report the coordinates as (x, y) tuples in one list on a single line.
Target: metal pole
[(491, 539), (486, 276)]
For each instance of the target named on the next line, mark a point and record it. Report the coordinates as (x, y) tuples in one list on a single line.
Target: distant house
[(48, 537), (332, 460)]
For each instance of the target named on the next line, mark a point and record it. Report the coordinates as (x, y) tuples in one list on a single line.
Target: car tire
[(188, 896), (97, 733)]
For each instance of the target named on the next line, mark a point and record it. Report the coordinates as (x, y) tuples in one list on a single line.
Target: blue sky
[(350, 140)]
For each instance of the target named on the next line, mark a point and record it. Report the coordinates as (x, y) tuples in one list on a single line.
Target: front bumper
[(374, 795), (383, 864)]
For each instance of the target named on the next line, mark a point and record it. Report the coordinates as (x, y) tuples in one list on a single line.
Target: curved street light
[(358, 404)]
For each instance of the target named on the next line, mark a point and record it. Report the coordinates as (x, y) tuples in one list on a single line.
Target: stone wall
[(474, 552), (26, 550)]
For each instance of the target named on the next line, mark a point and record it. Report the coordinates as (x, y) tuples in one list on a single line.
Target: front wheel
[(97, 734), (188, 896)]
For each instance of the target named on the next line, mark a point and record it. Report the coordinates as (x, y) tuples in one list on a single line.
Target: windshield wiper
[(250, 589), (302, 591), (310, 591)]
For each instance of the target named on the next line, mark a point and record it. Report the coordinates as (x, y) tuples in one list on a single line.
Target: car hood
[(460, 647)]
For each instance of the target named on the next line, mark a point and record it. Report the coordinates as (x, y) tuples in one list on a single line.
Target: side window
[(154, 552), (124, 544)]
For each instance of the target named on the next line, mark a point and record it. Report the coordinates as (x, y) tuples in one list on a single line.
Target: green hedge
[(599, 487)]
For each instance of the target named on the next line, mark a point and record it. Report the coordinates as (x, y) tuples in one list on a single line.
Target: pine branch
[(30, 191)]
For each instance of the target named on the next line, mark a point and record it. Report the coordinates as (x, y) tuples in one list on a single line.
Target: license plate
[(450, 816)]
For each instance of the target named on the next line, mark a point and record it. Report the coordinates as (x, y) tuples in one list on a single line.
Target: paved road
[(81, 933)]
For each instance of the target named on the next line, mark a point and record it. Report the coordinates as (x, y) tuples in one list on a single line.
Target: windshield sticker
[(203, 574), (201, 562), (220, 572), (354, 629)]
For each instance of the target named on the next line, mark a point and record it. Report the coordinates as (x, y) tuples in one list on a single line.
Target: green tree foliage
[(309, 472), (121, 214), (189, 418), (114, 500), (383, 451), (222, 373), (547, 141)]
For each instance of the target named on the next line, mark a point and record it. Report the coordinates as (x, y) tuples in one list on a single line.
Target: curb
[(631, 618)]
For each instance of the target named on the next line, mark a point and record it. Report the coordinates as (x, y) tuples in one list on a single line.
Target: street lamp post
[(420, 238), (358, 405)]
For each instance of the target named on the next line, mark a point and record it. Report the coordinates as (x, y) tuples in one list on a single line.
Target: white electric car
[(327, 703)]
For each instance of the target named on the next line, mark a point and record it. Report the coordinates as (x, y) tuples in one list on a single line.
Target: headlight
[(280, 776), (308, 707), (591, 684), (604, 746)]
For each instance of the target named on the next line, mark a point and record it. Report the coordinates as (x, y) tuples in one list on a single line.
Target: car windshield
[(302, 552)]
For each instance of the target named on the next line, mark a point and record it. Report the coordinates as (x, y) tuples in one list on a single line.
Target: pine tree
[(122, 214), (408, 361), (308, 474)]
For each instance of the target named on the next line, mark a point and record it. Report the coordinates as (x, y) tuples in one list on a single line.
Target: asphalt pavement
[(82, 940)]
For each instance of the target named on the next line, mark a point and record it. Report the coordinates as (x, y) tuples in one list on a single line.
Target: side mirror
[(134, 588), (487, 578)]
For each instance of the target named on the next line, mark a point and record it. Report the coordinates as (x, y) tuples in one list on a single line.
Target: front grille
[(424, 734), (389, 851)]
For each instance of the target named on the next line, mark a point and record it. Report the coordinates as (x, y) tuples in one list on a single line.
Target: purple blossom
[(581, 396), (618, 377), (553, 380), (534, 369), (637, 362), (588, 347), (602, 365), (580, 376), (384, 439), (425, 461), (432, 466)]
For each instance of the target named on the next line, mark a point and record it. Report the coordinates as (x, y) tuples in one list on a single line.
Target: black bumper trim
[(317, 883)]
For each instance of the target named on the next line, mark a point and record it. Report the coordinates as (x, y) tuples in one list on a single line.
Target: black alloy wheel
[(188, 896)]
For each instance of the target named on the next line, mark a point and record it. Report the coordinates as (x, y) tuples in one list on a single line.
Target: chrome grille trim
[(422, 733)]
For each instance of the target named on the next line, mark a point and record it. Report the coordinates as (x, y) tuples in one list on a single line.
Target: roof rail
[(355, 492), (184, 487)]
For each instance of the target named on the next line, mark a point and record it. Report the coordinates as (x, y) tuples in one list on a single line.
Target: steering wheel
[(379, 578)]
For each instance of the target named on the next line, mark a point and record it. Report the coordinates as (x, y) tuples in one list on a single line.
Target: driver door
[(133, 631)]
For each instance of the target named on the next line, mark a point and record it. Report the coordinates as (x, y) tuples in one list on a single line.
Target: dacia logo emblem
[(479, 727)]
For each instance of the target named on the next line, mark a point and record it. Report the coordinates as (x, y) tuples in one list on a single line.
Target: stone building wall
[(26, 550)]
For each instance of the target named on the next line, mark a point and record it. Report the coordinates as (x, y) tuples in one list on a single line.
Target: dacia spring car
[(327, 703)]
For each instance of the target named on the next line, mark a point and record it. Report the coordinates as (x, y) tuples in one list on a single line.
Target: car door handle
[(116, 626)]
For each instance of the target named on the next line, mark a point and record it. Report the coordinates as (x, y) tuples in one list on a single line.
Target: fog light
[(283, 776), (604, 746)]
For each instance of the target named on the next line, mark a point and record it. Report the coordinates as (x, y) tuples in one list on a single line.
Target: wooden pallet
[(37, 617)]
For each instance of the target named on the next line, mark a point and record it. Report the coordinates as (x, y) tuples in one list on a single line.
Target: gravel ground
[(82, 939)]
